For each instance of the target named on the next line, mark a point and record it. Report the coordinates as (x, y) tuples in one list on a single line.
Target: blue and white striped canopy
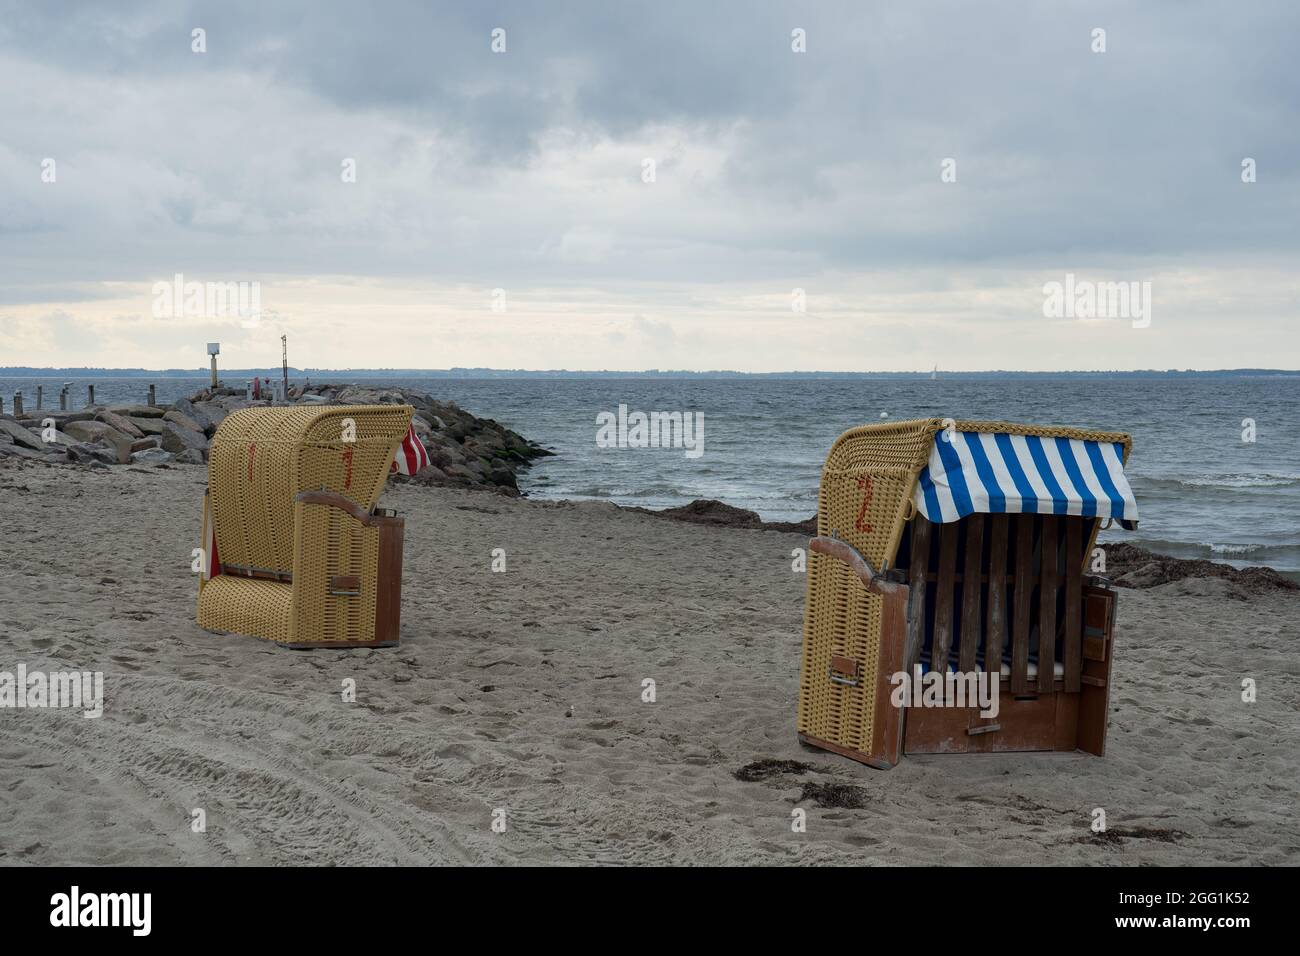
[(996, 473)]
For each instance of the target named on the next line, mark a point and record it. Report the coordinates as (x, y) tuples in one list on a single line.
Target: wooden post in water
[(90, 396), (63, 397), (153, 397), (18, 404)]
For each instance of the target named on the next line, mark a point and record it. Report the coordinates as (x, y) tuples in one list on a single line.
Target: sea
[(1215, 464)]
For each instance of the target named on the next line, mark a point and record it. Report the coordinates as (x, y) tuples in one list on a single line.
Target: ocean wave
[(1262, 479), (1234, 550), (732, 494), (1288, 553), (603, 491)]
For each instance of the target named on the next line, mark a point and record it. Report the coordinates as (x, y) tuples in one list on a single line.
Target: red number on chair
[(347, 461), (859, 523)]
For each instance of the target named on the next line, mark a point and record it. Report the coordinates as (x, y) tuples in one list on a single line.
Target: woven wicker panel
[(865, 499), (333, 543), (357, 469), (1048, 431), (261, 457), (247, 606), (259, 460)]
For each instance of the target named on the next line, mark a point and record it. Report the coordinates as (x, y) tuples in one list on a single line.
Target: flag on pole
[(411, 455)]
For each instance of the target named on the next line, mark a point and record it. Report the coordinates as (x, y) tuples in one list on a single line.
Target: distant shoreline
[(722, 374)]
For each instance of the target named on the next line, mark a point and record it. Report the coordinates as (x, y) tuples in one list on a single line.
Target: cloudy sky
[(127, 158)]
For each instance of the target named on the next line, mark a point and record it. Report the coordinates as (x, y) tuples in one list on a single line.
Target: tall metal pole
[(284, 363)]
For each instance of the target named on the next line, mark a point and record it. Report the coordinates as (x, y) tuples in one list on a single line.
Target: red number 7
[(859, 523)]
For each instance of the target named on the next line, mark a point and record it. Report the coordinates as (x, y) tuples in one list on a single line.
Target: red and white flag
[(411, 454)]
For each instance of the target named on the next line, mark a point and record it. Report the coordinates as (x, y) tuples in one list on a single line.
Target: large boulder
[(431, 474), (121, 423), (93, 431), (1131, 566), (208, 417), (124, 446), (84, 453), (363, 395), (191, 456), (186, 407), (21, 436), (481, 446), (214, 413), (18, 451), (177, 439), (137, 411), (37, 416), (422, 428), (503, 477), (185, 421), (711, 512), (1149, 575), (148, 426), (151, 456), (230, 403)]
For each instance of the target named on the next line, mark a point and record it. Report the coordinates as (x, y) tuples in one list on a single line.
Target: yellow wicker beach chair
[(960, 548), (295, 552)]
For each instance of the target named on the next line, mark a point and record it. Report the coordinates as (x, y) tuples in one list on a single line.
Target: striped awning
[(997, 473)]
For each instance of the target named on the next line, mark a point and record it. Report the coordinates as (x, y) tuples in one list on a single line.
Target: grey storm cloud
[(473, 164)]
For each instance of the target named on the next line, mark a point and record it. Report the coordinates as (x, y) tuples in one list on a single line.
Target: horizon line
[(198, 371)]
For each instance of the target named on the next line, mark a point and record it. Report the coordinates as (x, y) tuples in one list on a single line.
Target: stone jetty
[(464, 450)]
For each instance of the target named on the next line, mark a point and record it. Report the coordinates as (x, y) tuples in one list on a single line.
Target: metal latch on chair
[(348, 585), (843, 670)]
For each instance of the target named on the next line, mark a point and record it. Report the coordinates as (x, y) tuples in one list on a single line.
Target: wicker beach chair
[(964, 547), (295, 552)]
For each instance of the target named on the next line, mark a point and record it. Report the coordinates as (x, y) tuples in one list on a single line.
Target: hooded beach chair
[(959, 550), (295, 551)]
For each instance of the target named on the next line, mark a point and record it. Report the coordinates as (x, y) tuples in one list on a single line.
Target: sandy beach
[(522, 691)]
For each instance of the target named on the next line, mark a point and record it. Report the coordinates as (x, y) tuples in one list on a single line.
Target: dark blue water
[(1201, 490)]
